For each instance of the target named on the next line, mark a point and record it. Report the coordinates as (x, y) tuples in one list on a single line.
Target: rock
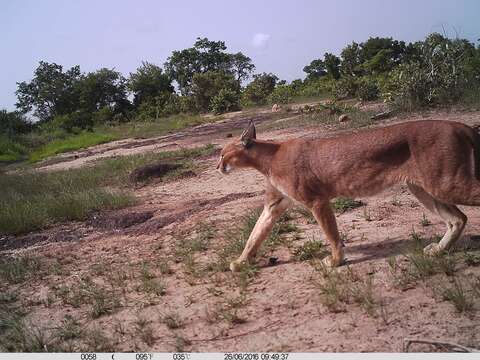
[(276, 108), (343, 118), (229, 135)]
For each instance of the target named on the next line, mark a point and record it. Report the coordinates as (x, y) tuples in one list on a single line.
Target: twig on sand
[(218, 337), (444, 344)]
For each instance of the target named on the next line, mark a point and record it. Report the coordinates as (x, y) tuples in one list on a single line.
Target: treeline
[(206, 77)]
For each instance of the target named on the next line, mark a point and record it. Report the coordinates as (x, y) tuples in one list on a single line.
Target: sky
[(280, 36)]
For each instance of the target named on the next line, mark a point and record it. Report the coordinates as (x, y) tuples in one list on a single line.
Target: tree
[(51, 92), (350, 60), (260, 88), (205, 56), (332, 65), (315, 69), (205, 86), (379, 55), (241, 66), (102, 88), (13, 123), (149, 82)]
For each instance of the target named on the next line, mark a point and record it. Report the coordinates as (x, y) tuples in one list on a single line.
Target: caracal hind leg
[(275, 205), (451, 215), (326, 219)]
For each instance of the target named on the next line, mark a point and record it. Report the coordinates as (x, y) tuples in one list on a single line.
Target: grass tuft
[(343, 204), (311, 249)]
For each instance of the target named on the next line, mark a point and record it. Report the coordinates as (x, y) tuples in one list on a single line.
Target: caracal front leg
[(326, 219), (454, 219), (275, 205)]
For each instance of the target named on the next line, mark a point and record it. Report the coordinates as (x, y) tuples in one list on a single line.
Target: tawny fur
[(438, 160)]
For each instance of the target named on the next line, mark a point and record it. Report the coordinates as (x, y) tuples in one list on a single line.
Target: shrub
[(226, 100), (367, 89), (282, 94), (437, 76), (11, 150), (257, 92), (345, 87), (205, 86)]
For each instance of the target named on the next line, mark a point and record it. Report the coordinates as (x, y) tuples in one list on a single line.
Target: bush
[(316, 88), (282, 94), (346, 87), (10, 150), (205, 86), (367, 89), (103, 116), (438, 76), (226, 100), (257, 92)]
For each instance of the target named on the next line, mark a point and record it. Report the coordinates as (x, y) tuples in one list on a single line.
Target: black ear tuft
[(249, 134)]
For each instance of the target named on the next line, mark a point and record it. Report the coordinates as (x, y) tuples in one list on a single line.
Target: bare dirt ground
[(171, 302)]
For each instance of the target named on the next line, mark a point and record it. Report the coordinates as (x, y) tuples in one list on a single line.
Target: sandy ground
[(282, 308)]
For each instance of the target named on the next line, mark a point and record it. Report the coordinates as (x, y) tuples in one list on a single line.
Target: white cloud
[(260, 40)]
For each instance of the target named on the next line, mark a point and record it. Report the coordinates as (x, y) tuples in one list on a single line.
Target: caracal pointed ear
[(248, 134)]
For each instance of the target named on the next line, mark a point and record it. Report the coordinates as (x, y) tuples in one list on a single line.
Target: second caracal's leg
[(451, 215), (275, 205), (326, 218)]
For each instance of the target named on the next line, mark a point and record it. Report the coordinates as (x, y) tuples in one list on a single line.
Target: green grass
[(343, 204), (157, 128), (237, 236), (10, 150), (75, 142), (340, 287), (17, 270), (459, 296), (35, 200), (311, 249)]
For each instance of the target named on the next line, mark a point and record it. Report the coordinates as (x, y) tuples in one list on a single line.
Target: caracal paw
[(331, 262), (433, 249), (237, 265)]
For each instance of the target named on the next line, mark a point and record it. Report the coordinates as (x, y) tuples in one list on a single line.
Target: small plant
[(104, 303), (69, 329), (144, 330), (246, 275), (97, 341), (181, 343), (343, 204), (458, 296), (237, 237), (339, 288), (306, 214), (17, 270), (311, 249), (471, 259), (172, 320), (163, 266), (424, 221)]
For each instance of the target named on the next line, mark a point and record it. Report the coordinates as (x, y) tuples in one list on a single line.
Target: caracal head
[(235, 153)]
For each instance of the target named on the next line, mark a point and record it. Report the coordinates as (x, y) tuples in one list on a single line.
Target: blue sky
[(280, 36)]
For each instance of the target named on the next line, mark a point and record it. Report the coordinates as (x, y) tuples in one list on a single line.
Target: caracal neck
[(261, 154)]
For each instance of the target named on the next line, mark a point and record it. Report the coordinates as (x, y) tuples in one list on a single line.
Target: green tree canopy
[(207, 85), (13, 123), (332, 65), (149, 82), (205, 56), (102, 88), (260, 88), (51, 92), (315, 69)]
